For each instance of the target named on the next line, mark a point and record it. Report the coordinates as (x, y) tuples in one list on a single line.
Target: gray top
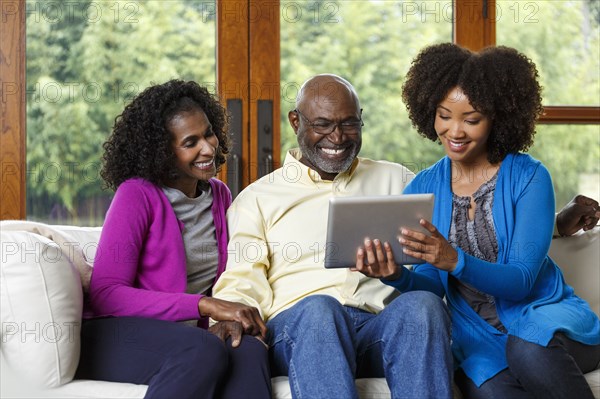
[(199, 238), (476, 237)]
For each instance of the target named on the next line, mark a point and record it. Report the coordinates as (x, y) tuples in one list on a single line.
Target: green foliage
[(372, 44), (570, 152), (63, 154), (85, 61), (563, 39)]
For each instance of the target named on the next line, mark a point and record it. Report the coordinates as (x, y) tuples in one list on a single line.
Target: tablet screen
[(351, 219)]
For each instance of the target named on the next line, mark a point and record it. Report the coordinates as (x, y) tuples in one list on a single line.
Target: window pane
[(371, 43), (563, 39), (572, 155), (85, 61)]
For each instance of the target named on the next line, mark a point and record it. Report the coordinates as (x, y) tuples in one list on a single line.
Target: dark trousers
[(175, 360), (535, 371)]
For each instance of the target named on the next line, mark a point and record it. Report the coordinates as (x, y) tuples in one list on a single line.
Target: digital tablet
[(351, 219)]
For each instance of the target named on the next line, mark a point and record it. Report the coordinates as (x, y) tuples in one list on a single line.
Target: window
[(572, 155), (371, 43), (563, 39), (85, 61)]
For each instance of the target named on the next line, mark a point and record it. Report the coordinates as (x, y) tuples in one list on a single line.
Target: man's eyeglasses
[(327, 127)]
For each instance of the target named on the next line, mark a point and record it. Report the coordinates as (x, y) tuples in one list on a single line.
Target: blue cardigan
[(532, 298)]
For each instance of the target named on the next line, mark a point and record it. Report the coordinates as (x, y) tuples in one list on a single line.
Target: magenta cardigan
[(140, 264)]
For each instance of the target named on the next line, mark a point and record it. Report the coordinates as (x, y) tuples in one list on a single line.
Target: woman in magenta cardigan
[(518, 330), (163, 245)]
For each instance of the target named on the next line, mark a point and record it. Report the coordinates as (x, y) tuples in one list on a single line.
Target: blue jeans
[(535, 371), (323, 346)]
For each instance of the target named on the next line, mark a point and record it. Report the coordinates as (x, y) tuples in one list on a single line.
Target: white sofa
[(41, 305)]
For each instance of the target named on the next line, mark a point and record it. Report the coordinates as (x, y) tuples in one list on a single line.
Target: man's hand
[(247, 316), (379, 260), (580, 212)]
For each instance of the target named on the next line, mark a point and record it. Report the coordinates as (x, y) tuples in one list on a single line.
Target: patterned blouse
[(476, 237)]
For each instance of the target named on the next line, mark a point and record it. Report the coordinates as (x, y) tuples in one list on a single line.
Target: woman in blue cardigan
[(519, 331)]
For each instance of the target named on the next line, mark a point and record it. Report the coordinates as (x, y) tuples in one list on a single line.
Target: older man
[(328, 327)]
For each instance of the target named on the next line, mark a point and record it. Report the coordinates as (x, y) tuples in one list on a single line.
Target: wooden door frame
[(12, 91), (264, 84), (248, 70), (232, 72)]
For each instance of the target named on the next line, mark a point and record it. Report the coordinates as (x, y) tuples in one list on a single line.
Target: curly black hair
[(140, 143), (499, 82)]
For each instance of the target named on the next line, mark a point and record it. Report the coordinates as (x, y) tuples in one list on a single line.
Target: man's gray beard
[(326, 165)]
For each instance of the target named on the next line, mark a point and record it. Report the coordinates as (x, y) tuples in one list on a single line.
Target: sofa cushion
[(80, 248), (578, 257), (41, 303), (81, 389)]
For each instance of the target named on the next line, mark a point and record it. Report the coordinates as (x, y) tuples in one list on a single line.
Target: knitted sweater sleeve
[(114, 288)]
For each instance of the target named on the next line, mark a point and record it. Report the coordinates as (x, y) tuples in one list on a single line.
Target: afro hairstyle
[(499, 82), (140, 143)]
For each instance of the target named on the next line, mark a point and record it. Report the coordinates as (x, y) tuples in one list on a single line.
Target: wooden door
[(248, 85)]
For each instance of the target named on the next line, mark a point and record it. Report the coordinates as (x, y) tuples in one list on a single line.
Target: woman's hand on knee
[(248, 316), (226, 329), (233, 330)]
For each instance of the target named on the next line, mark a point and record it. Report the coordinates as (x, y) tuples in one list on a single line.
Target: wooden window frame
[(471, 29), (12, 106)]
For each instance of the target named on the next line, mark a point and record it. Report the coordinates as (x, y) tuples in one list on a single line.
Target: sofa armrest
[(41, 301)]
